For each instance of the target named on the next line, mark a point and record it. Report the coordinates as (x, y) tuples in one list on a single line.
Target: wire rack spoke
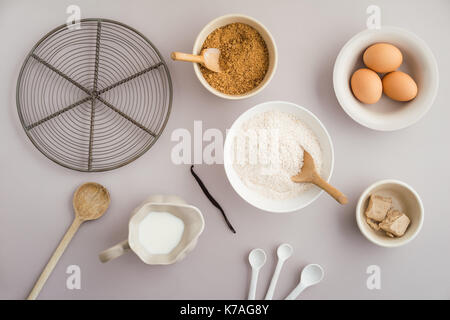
[(96, 66), (103, 129), (91, 134), (137, 124), (57, 113), (60, 73), (97, 55), (134, 76)]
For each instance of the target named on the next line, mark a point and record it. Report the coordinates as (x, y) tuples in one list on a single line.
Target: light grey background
[(35, 193)]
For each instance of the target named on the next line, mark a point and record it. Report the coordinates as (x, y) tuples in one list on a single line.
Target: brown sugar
[(244, 59)]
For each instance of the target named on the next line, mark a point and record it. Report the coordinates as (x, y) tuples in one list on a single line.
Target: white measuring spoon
[(284, 252), (257, 259), (311, 274)]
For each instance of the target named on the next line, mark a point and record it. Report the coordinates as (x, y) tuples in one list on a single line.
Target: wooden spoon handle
[(332, 191), (54, 259), (180, 56)]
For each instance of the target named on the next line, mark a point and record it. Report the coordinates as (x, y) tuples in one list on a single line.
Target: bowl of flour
[(264, 149)]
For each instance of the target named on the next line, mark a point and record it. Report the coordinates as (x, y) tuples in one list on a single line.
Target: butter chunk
[(373, 224), (395, 223), (378, 207)]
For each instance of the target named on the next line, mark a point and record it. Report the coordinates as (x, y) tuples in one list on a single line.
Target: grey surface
[(35, 194)]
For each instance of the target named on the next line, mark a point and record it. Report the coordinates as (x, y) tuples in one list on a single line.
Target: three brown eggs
[(366, 83)]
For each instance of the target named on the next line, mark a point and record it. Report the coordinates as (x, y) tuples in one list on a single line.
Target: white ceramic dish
[(258, 200), (387, 114), (404, 198), (265, 34), (193, 227)]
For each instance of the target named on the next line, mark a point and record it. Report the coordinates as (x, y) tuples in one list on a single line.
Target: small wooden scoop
[(208, 58), (90, 201), (309, 174)]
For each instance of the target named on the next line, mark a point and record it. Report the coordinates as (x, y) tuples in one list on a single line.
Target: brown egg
[(382, 57), (366, 86), (399, 86)]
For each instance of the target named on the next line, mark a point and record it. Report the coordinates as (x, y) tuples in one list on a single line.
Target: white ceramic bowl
[(404, 198), (387, 114), (258, 200), (265, 34)]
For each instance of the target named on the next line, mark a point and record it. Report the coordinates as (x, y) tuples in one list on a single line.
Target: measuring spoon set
[(311, 275)]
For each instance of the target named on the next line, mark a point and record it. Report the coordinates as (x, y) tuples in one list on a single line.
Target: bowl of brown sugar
[(248, 56)]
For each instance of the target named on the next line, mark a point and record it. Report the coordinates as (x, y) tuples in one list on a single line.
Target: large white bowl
[(253, 197), (387, 114), (265, 34)]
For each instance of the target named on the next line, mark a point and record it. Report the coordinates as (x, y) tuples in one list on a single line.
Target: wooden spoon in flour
[(209, 58), (309, 174), (90, 202)]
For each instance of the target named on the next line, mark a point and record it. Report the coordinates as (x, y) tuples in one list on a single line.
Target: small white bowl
[(265, 34), (387, 114), (254, 198), (405, 199)]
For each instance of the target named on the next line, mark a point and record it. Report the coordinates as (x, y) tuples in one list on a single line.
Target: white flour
[(268, 151)]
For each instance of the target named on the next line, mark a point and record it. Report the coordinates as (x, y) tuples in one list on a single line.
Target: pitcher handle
[(114, 252)]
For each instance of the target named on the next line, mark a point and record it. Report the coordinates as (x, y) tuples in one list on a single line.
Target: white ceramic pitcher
[(193, 227)]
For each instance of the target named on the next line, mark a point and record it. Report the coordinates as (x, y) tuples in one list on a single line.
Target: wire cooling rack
[(94, 98)]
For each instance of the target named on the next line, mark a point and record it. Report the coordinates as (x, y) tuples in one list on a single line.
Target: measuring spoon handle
[(253, 283), (54, 259), (295, 293), (273, 282)]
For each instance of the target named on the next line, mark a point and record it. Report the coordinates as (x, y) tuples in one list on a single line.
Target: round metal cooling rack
[(94, 97)]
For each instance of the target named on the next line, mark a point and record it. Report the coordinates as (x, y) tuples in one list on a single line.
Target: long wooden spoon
[(208, 58), (90, 202), (309, 174)]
